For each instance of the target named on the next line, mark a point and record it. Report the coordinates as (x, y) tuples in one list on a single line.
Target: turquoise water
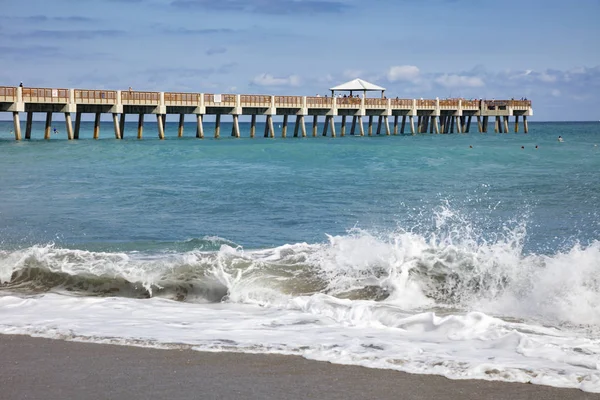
[(261, 193), (465, 255)]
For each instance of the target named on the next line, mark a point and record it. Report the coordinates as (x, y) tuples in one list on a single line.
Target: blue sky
[(548, 51)]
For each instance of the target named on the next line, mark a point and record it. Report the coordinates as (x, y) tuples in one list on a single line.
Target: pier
[(383, 116)]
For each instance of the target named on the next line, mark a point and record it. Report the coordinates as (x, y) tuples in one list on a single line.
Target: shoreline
[(38, 368)]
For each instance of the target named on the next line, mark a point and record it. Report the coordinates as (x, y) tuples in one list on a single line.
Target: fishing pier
[(421, 116)]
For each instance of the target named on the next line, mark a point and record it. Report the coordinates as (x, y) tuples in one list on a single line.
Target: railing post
[(19, 94), (389, 108)]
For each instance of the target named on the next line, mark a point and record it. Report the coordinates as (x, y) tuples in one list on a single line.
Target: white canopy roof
[(358, 85)]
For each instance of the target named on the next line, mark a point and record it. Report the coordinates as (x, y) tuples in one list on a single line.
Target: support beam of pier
[(506, 124), (486, 122), (302, 126), (160, 125), (315, 122), (479, 125), (200, 126), (463, 124), (353, 127), (17, 125), (468, 123), (497, 125), (297, 126), (217, 126), (429, 123), (97, 126), (48, 128), (458, 125), (116, 124), (387, 125), (516, 124), (412, 125), (443, 123), (140, 130), (180, 126), (77, 125), (332, 125), (253, 126), (28, 126), (122, 125), (343, 129), (395, 124), (451, 123), (236, 126), (436, 124), (326, 125), (525, 126), (403, 124), (379, 124), (270, 126), (361, 127), (419, 124), (370, 125), (69, 125), (284, 126)]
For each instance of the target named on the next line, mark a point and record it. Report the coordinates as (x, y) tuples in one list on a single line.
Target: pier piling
[(314, 126), (217, 126), (200, 126), (270, 126), (458, 126), (370, 125), (117, 127), (361, 127), (77, 125), (395, 125), (343, 128), (97, 126), (69, 126), (403, 124), (479, 125), (140, 130), (353, 127), (326, 125), (284, 126), (525, 126), (48, 127), (181, 124), (161, 128), (253, 126), (332, 125), (412, 125), (379, 125), (468, 123), (436, 124), (516, 124), (505, 124), (122, 125), (236, 126), (17, 125), (28, 125), (302, 126), (297, 126)]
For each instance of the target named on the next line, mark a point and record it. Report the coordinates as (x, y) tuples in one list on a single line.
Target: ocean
[(472, 256)]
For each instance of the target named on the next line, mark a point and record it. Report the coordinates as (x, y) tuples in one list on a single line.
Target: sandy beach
[(35, 368)]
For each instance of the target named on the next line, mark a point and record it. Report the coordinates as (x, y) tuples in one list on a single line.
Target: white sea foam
[(449, 303)]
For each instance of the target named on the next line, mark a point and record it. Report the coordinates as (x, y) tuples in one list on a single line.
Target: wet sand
[(34, 368)]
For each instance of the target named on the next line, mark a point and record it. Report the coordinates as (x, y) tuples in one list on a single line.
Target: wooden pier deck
[(433, 116)]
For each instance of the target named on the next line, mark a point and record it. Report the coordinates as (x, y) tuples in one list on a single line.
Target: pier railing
[(45, 95), (348, 102), (470, 104), (182, 99), (375, 103), (253, 100), (319, 102), (140, 98), (288, 101), (405, 104), (212, 100), (446, 104), (8, 94), (84, 96)]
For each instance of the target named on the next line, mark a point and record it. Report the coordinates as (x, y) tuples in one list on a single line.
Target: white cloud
[(545, 77), (555, 93), (457, 81), (408, 73), (270, 80)]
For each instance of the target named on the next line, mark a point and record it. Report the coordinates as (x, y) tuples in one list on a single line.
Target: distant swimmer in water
[(55, 131), (522, 147), (560, 139), (536, 146), (470, 147)]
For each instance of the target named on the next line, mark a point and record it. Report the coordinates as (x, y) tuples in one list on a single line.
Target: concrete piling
[(181, 125), (370, 125), (270, 126), (525, 126), (353, 128), (200, 126), (69, 126), (140, 130), (403, 124), (302, 126), (161, 128), (217, 126), (236, 126), (122, 125), (48, 128), (332, 125), (395, 125), (361, 127), (314, 127), (116, 125), (97, 126), (516, 124), (28, 126), (412, 125), (284, 126), (253, 126), (505, 124), (343, 128), (326, 125), (77, 125), (17, 125), (297, 126), (479, 125), (386, 122), (379, 124)]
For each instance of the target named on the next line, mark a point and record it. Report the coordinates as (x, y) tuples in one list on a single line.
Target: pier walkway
[(433, 116)]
